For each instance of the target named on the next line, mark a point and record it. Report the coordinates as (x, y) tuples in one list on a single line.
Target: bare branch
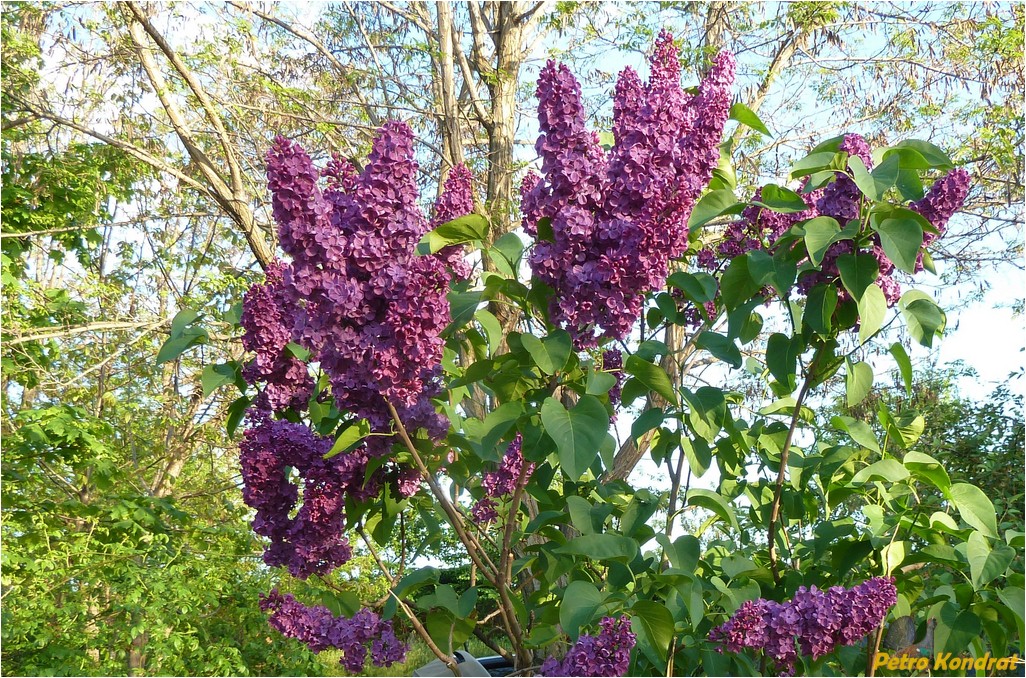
[(63, 332), (305, 35)]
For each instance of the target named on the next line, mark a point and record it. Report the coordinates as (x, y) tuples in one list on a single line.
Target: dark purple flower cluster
[(616, 221), (813, 623), (841, 199), (943, 199), (607, 654), (612, 362), (368, 308), (267, 319), (456, 200), (370, 312), (319, 629), (311, 542), (484, 511), (513, 471), (758, 228)]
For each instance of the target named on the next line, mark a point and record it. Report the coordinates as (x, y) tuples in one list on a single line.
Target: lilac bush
[(607, 222)]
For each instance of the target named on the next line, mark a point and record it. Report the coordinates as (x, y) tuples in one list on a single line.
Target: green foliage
[(90, 564)]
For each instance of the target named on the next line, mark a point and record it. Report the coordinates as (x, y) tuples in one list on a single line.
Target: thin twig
[(779, 491)]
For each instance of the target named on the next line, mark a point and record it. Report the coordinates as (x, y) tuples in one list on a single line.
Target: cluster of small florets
[(612, 362), (457, 200), (268, 318), (311, 542), (513, 472), (369, 310), (757, 229), (617, 220), (319, 629), (607, 654), (841, 199), (813, 623), (945, 197)]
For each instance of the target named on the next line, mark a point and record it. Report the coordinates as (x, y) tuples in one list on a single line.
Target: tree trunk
[(449, 125)]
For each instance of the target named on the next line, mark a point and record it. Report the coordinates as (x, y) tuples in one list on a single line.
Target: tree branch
[(308, 37), (81, 329)]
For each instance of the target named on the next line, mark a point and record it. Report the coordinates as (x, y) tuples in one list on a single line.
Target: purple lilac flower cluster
[(607, 654), (617, 220), (319, 629), (612, 362), (943, 199), (758, 228), (812, 623), (267, 319), (457, 200), (513, 471), (368, 308), (841, 199), (312, 541)]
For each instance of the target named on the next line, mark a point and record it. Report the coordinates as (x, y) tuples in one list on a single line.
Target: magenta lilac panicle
[(759, 228), (513, 471), (813, 623), (267, 318), (456, 200), (319, 629), (370, 311), (616, 220), (607, 654)]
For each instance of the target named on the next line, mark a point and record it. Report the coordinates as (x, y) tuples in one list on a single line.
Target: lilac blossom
[(370, 311), (267, 318), (813, 623), (368, 308), (316, 627), (612, 362), (943, 199), (456, 200), (513, 472), (607, 654), (484, 511), (617, 220), (311, 542), (758, 228)]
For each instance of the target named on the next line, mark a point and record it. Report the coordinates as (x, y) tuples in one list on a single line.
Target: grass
[(418, 655)]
